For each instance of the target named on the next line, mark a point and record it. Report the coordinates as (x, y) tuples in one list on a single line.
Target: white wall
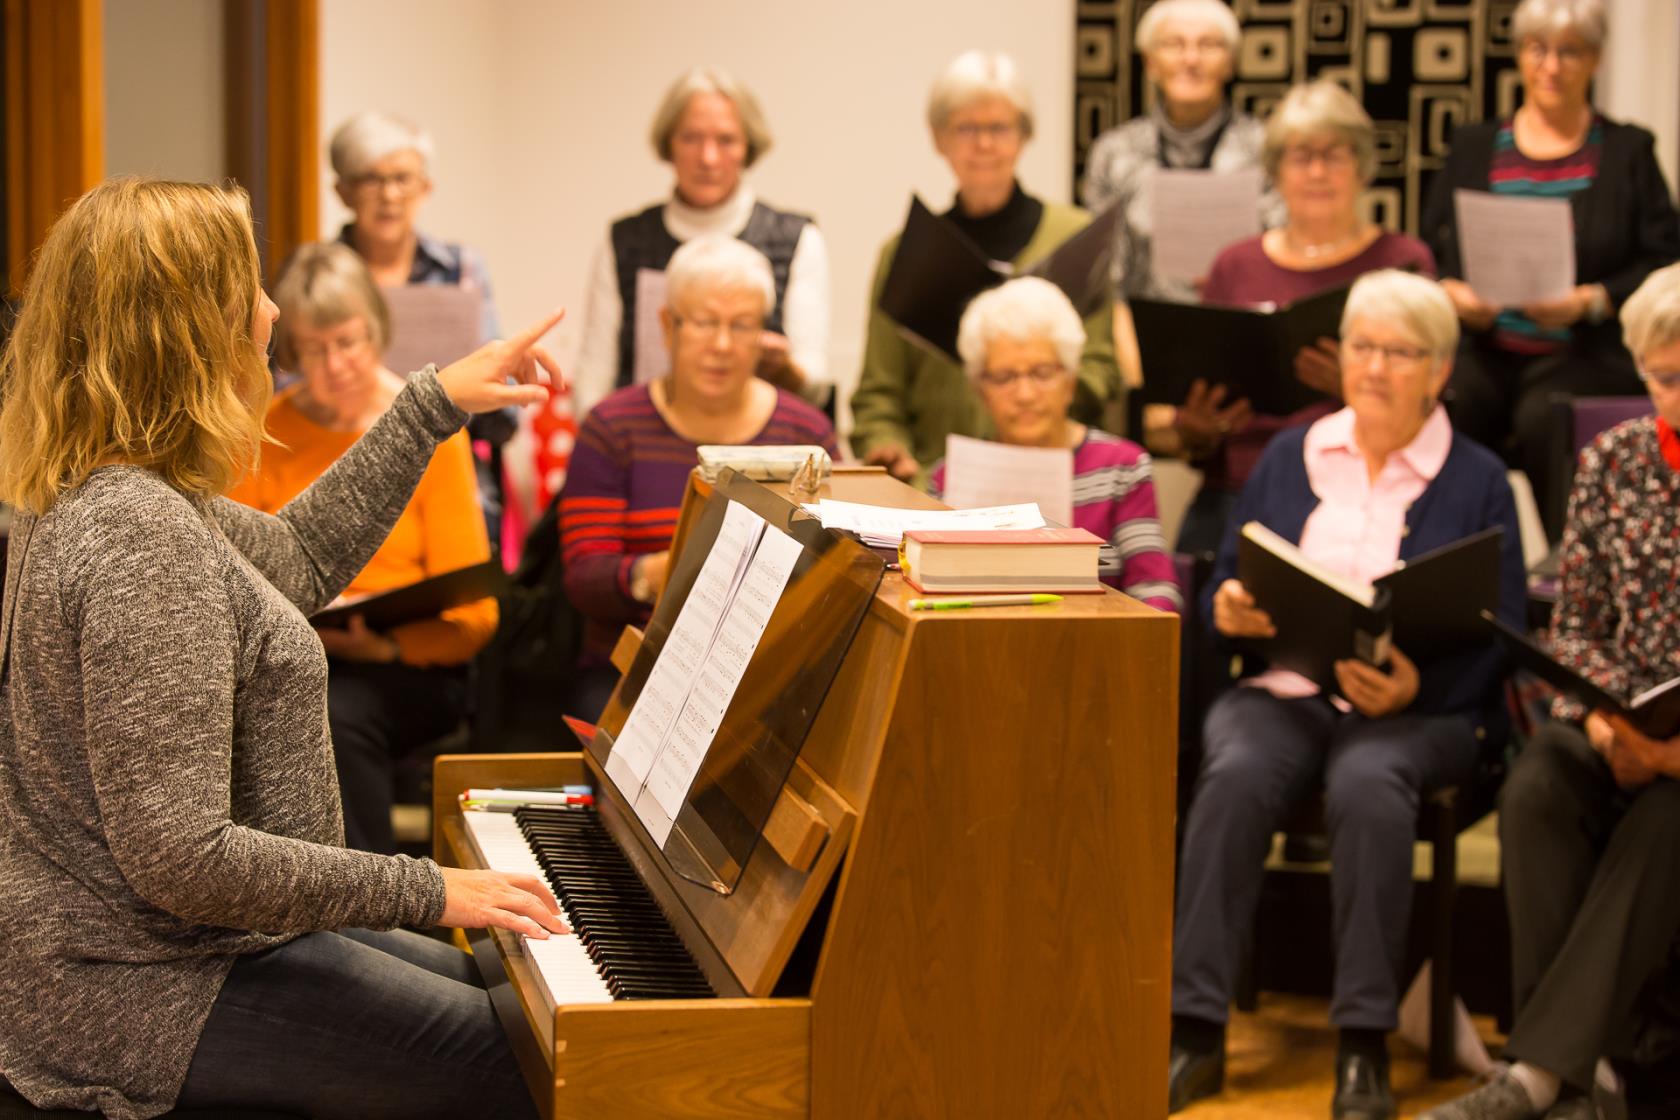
[(1639, 80), (163, 89), (540, 113)]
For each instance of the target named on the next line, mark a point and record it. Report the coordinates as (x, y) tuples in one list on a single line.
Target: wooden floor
[(1280, 1065)]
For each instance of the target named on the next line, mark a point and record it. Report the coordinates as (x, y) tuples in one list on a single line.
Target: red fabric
[(1669, 442)]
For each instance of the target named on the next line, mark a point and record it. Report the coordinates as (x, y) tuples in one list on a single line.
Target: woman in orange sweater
[(387, 693)]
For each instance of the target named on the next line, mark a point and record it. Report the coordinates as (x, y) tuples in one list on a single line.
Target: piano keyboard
[(621, 946)]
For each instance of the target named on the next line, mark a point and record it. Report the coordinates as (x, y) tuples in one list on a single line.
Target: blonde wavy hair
[(135, 345)]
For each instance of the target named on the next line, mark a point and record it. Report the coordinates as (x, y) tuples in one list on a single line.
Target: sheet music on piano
[(759, 607)]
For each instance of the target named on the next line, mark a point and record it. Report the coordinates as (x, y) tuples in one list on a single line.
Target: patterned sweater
[(1114, 497), (623, 494), (1617, 619), (167, 794)]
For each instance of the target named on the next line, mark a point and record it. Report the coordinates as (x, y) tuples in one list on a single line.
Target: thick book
[(1251, 352), (1428, 606), (937, 271), (427, 598), (1000, 560), (1655, 712)]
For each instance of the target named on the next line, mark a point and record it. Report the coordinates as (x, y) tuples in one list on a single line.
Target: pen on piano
[(476, 798), (989, 601)]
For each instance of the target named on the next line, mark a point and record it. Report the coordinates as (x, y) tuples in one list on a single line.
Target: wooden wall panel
[(55, 117)]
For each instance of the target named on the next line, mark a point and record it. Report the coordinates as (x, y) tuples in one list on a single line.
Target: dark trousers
[(379, 714), (1502, 400), (1262, 756), (1590, 882), (357, 1024)]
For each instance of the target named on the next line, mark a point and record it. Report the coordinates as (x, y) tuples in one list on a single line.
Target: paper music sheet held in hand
[(653, 360), (438, 323), (1198, 213), (1515, 250), (983, 472)]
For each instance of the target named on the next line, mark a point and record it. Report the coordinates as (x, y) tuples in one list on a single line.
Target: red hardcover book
[(1001, 560)]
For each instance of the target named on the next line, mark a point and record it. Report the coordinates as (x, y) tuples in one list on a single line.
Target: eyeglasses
[(317, 354), (1662, 379), (997, 131), (1038, 376), (1337, 157), (740, 332), (728, 141), (1362, 351), (1178, 48), (405, 183), (1569, 56)]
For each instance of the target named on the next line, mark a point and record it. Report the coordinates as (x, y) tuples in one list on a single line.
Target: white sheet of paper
[(652, 359), (1198, 213), (982, 472), (886, 525), (432, 323), (1516, 250), (680, 659), (738, 635)]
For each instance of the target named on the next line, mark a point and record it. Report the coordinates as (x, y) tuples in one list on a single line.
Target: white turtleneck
[(804, 306)]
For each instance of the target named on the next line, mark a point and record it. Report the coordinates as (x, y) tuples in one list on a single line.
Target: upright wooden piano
[(961, 905)]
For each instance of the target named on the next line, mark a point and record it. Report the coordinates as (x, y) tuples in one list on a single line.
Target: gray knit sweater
[(167, 791)]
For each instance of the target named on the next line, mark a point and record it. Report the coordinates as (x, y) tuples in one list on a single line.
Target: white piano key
[(560, 959)]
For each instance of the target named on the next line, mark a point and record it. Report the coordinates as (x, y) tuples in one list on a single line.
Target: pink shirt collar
[(1332, 437)]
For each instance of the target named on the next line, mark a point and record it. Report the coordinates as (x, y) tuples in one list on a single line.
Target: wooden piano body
[(970, 871)]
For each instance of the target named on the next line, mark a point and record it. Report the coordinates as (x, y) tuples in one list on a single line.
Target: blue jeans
[(357, 1024)]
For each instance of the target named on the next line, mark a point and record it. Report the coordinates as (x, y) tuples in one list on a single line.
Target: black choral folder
[(1427, 606), (937, 270), (1249, 351), (428, 598), (1655, 712)]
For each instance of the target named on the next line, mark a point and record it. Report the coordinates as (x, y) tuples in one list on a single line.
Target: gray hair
[(326, 283), (709, 79), (1023, 309), (1321, 106), (1215, 13), (1651, 315), (1535, 19), (717, 260), (1414, 304), (975, 75), (369, 137)]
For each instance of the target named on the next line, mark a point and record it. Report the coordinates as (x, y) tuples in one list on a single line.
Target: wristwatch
[(1598, 304)]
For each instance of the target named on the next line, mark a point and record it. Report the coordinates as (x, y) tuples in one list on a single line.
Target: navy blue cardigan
[(1468, 495)]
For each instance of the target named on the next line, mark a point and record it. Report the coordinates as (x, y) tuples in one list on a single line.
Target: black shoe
[(1362, 1091), (1192, 1075)]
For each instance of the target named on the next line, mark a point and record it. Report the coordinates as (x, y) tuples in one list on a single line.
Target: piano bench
[(14, 1107)]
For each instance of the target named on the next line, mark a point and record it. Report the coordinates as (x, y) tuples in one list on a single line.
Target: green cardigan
[(912, 395)]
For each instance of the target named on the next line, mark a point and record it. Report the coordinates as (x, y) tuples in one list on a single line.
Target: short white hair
[(1214, 13), (710, 79), (976, 75), (717, 260), (1025, 309), (1536, 19), (1314, 108), (369, 137), (1408, 302), (1651, 315)]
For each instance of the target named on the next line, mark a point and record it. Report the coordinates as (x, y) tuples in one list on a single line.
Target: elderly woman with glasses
[(1320, 152), (1189, 49), (387, 693), (1556, 145), (910, 397), (1589, 819), (1020, 344), (1381, 481), (710, 129), (618, 511)]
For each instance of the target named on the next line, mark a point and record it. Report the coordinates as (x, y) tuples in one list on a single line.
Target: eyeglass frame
[(1570, 57), (343, 348), (373, 184), (702, 329), (1041, 376), (1666, 380), (1394, 356)]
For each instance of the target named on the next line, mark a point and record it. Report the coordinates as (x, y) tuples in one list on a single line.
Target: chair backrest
[(1591, 415), (1577, 421)]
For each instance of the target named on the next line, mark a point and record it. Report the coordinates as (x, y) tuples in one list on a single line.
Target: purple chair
[(1576, 422)]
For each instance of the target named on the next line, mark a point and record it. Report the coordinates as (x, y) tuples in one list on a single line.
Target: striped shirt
[(622, 496), (1114, 497), (1512, 173)]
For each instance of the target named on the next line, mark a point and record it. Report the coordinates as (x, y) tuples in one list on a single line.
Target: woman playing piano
[(179, 922)]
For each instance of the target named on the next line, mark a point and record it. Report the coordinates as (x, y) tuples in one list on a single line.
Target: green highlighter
[(989, 601)]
